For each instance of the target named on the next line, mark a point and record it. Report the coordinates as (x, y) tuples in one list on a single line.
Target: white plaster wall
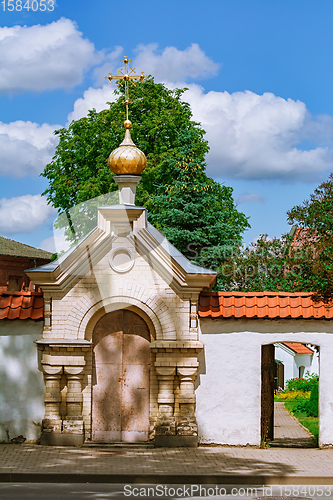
[(314, 368), (293, 361), (229, 382), (303, 360), (288, 361), (22, 385)]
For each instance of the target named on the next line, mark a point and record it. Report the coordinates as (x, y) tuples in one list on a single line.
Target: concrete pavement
[(150, 465), (288, 432), (146, 464)]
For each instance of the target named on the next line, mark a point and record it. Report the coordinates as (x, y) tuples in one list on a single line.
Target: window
[(13, 284)]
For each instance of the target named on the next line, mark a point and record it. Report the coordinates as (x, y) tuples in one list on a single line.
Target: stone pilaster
[(176, 367), (165, 425), (52, 423), (73, 423), (63, 358), (186, 424)]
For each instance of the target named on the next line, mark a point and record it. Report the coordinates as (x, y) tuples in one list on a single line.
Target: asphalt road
[(95, 491)]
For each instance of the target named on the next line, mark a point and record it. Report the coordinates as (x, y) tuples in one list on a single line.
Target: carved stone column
[(73, 424), (187, 425), (165, 425), (52, 423)]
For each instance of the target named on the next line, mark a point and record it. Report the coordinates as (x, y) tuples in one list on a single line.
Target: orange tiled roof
[(262, 305), (304, 237), (298, 347), (21, 305)]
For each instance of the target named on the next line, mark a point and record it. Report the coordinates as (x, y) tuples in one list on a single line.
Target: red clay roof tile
[(298, 347), (262, 305), (21, 305)]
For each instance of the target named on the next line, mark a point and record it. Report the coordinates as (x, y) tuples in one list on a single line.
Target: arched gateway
[(97, 349)]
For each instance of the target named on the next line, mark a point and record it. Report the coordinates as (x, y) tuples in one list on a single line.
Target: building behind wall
[(297, 360), (21, 323)]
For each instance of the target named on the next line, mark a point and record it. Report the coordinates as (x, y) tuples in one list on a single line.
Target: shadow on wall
[(21, 389)]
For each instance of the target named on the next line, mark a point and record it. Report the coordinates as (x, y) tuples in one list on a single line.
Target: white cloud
[(261, 136), (171, 64), (26, 147), (44, 57), (92, 98), (251, 136), (24, 214), (56, 243), (111, 62), (48, 244), (250, 198)]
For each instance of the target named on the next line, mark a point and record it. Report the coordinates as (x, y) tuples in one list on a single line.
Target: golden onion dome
[(127, 158)]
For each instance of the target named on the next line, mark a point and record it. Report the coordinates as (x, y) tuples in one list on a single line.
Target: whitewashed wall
[(287, 356), (229, 381), (22, 386), (293, 361)]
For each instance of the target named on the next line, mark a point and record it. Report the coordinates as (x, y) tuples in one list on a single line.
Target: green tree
[(315, 216), (266, 265), (79, 170), (301, 261), (163, 128), (197, 214)]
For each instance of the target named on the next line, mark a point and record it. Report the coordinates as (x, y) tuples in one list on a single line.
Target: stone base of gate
[(176, 441), (49, 439)]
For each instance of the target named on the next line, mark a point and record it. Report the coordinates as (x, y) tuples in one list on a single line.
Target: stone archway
[(120, 378)]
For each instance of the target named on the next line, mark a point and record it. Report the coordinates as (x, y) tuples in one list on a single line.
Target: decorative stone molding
[(63, 344), (85, 314), (121, 259), (193, 317), (187, 377), (47, 315)]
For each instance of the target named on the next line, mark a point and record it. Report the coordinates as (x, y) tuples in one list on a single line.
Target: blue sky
[(260, 79)]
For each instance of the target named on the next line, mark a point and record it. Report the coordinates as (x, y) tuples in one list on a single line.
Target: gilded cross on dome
[(127, 76)]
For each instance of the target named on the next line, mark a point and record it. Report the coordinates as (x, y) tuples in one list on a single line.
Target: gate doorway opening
[(120, 378), (278, 427)]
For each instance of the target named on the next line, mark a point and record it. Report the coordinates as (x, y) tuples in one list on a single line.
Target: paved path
[(288, 432), (146, 464)]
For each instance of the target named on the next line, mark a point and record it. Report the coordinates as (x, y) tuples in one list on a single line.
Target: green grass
[(311, 423)]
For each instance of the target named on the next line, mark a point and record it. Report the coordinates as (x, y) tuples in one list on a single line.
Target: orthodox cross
[(125, 75)]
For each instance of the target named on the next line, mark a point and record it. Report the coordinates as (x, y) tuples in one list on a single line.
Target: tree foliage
[(316, 217), (189, 207), (79, 170), (301, 261), (197, 214), (266, 265)]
